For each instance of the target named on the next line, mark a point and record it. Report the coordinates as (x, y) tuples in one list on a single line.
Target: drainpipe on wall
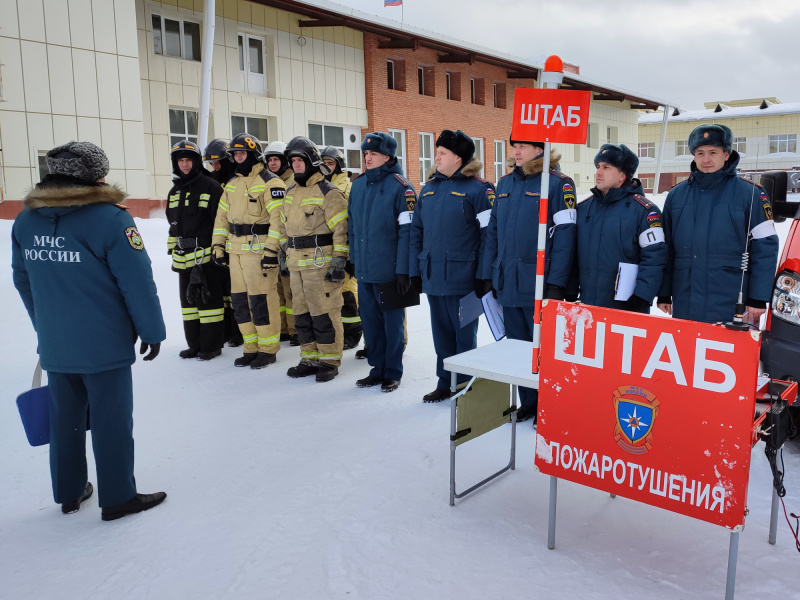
[(657, 182), (209, 18)]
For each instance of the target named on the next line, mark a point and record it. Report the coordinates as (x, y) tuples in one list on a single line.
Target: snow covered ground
[(289, 489)]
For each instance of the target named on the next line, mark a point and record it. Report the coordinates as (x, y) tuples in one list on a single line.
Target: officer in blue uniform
[(617, 224), (708, 220), (509, 263), (446, 247), (84, 276), (380, 207)]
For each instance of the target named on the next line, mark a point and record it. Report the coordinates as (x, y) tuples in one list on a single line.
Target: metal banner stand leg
[(514, 429), (551, 519), (733, 556), (773, 518), (453, 386)]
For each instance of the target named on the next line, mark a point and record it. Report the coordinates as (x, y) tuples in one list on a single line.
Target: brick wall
[(414, 113)]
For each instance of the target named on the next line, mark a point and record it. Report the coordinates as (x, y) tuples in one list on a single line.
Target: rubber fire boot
[(263, 359), (327, 372), (304, 369), (245, 359)]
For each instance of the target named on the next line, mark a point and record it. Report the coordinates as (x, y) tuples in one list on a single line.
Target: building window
[(593, 136), (43, 170), (421, 80), (425, 155), (612, 134), (647, 149), (680, 179), (252, 68), (396, 74), (255, 126), (499, 159), (400, 137), (346, 139), (647, 183), (499, 95), (740, 144), (425, 81), (390, 74), (478, 152), (681, 147), (476, 88), (177, 38), (785, 142), (453, 85), (182, 126)]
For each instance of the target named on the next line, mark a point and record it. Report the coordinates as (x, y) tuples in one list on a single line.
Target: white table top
[(508, 361)]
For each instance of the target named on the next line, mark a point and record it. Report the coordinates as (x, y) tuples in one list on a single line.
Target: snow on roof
[(723, 111)]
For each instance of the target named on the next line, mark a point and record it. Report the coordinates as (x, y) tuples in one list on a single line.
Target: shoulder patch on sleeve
[(122, 206), (134, 239), (558, 174), (402, 180), (643, 201), (277, 192)]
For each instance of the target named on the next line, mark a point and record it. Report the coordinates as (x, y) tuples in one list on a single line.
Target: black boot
[(245, 359), (304, 369), (369, 381), (189, 353), (135, 505), (71, 507), (526, 412), (436, 395), (294, 340), (208, 355), (390, 385), (263, 359), (361, 353), (285, 337), (327, 372)]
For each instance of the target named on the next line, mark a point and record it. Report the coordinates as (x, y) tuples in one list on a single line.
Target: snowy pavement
[(289, 489)]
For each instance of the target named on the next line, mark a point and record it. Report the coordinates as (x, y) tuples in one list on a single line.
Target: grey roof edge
[(434, 36)]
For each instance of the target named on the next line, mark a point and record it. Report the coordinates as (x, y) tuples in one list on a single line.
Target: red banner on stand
[(653, 409), (551, 115)]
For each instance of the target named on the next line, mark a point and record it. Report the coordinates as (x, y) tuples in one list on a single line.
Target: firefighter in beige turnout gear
[(314, 219), (351, 320), (277, 162), (248, 228)]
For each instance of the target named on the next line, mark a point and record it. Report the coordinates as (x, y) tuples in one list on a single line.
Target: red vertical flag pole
[(552, 77)]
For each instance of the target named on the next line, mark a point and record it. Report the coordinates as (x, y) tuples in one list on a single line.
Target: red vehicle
[(780, 348)]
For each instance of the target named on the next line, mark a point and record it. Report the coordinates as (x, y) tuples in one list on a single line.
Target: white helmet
[(273, 149)]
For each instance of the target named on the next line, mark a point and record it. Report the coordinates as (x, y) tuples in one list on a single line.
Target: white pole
[(209, 19), (661, 150)]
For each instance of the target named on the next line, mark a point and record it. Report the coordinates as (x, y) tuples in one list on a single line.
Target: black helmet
[(333, 153), (186, 146), (216, 150), (185, 149), (304, 148), (244, 141)]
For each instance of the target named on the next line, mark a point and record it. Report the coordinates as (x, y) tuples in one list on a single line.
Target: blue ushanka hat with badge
[(620, 157), (380, 142), (711, 135)]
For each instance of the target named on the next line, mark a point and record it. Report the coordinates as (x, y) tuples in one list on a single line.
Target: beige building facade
[(765, 134)]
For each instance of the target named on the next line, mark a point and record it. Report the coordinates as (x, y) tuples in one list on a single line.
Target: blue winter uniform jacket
[(81, 269), (706, 222), (379, 214), (449, 231), (622, 226), (512, 236)]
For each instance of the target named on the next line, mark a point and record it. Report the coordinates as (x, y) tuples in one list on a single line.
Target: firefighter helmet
[(333, 153), (304, 148), (246, 142), (185, 146), (216, 150)]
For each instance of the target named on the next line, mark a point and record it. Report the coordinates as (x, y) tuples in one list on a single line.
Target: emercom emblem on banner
[(636, 411)]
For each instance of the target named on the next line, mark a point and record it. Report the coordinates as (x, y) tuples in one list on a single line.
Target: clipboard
[(391, 300)]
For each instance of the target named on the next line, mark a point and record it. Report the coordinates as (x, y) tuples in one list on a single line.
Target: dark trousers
[(109, 397), (204, 323), (449, 338), (519, 326), (383, 333)]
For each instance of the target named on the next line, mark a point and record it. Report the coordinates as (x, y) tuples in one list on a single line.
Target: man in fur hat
[(446, 247), (617, 224), (509, 262), (707, 221), (84, 276)]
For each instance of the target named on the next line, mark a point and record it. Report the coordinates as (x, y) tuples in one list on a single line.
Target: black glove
[(488, 287), (403, 284), (154, 350), (350, 268), (636, 304), (416, 283), (336, 272), (478, 286), (555, 292), (269, 261), (198, 292), (218, 255), (282, 263)]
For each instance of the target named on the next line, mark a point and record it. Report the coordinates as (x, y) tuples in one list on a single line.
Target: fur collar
[(536, 166), (64, 196), (471, 169)]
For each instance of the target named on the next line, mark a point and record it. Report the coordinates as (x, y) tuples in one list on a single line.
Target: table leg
[(551, 518), (453, 385), (773, 518), (733, 556)]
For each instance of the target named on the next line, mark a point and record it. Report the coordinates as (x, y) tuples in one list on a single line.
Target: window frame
[(390, 78), (786, 140), (681, 145), (182, 36), (499, 163), (421, 80), (479, 154), (248, 129), (739, 144), (186, 135), (243, 47), (400, 153), (648, 146), (425, 160)]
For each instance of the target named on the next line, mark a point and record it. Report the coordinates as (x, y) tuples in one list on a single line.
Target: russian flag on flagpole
[(392, 3)]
